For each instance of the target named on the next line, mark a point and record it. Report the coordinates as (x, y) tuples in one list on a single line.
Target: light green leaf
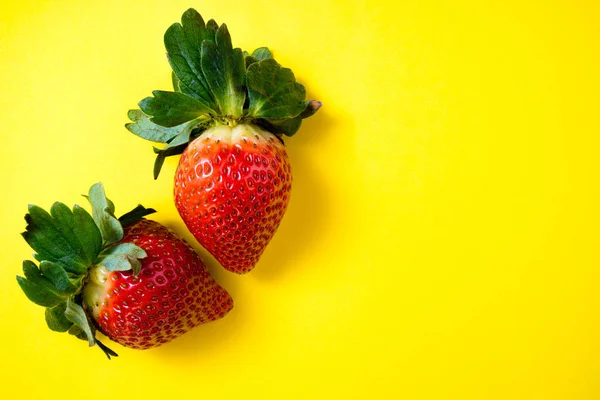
[(142, 126), (75, 313), (122, 257), (262, 53), (103, 214), (55, 318)]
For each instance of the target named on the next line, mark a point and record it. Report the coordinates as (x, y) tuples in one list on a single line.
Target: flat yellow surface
[(443, 237)]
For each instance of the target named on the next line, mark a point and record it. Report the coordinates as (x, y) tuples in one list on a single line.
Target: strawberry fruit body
[(232, 188), (130, 278), (226, 117), (172, 293)]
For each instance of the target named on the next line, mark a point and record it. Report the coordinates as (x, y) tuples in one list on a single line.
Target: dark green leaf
[(287, 127), (122, 257), (40, 289), (290, 126), (249, 60), (172, 108), (146, 129), (108, 351), (56, 320), (183, 43), (57, 239), (224, 69), (211, 31), (273, 91), (176, 83), (87, 232), (262, 53), (58, 278), (39, 294), (135, 215), (103, 214), (74, 313), (161, 155)]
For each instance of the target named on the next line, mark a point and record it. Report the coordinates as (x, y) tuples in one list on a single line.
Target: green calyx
[(216, 84), (67, 243)]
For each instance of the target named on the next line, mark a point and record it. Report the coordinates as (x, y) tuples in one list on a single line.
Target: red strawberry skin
[(232, 187), (172, 293)]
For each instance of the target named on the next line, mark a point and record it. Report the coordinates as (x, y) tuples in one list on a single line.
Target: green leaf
[(176, 83), (262, 53), (58, 277), (56, 319), (142, 126), (75, 313), (122, 257), (287, 127), (224, 69), (103, 214), (290, 126), (273, 91), (66, 238), (39, 289), (135, 215), (249, 60), (172, 108), (161, 155), (87, 232), (183, 42), (178, 144)]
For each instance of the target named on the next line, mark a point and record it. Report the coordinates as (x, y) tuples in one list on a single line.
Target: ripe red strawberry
[(141, 285), (226, 117), (232, 188)]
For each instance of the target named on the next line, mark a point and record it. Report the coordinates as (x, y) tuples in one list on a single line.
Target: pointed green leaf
[(55, 318), (103, 214), (122, 257), (58, 278), (146, 129), (183, 42), (87, 232), (75, 313), (262, 53), (135, 215), (273, 91), (172, 108), (290, 126), (39, 294), (249, 60), (56, 239), (40, 289), (161, 155), (224, 69), (287, 127)]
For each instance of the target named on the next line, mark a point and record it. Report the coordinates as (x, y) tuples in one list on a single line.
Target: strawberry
[(226, 117), (130, 278)]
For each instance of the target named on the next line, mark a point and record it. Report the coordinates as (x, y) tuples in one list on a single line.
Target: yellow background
[(442, 241)]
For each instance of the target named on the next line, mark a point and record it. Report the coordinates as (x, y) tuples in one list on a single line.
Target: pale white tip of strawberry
[(236, 134)]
